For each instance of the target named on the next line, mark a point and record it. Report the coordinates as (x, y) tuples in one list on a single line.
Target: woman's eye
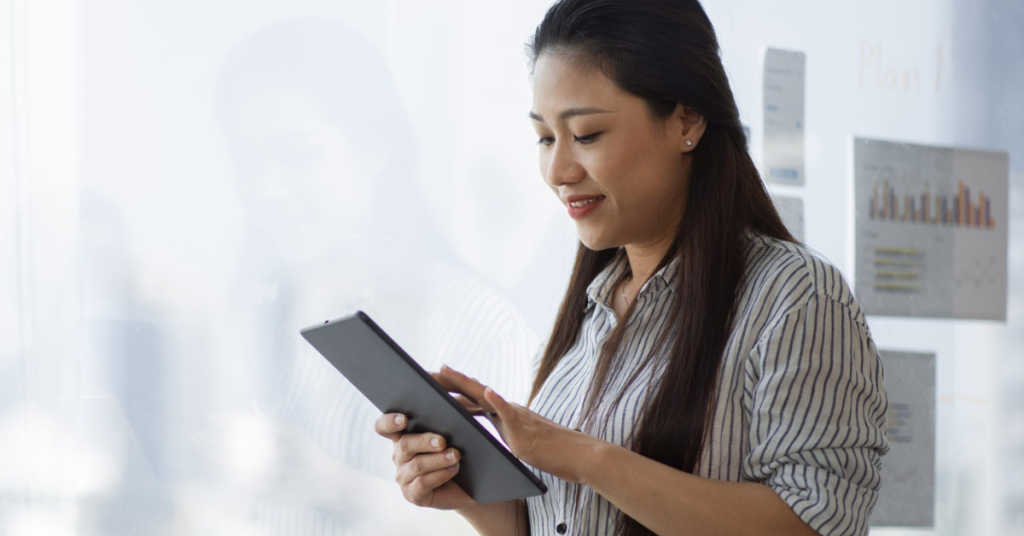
[(585, 140)]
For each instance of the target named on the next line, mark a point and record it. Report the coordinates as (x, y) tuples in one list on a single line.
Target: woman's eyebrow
[(571, 112)]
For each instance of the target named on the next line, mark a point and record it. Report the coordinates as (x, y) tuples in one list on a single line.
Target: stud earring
[(689, 143)]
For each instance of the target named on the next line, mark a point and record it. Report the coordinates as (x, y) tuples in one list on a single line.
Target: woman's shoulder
[(789, 276)]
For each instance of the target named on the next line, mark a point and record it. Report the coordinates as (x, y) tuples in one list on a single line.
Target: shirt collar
[(600, 289)]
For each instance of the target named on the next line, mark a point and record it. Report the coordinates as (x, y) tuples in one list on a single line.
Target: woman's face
[(599, 142)]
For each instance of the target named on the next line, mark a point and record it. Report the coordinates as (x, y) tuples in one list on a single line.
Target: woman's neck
[(644, 259)]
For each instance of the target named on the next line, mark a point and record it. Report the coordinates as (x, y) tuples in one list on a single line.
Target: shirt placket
[(567, 491), (567, 494), (562, 525)]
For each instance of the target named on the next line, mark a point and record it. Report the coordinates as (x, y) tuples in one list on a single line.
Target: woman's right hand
[(424, 466)]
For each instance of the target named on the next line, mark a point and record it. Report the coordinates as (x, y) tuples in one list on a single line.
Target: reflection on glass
[(324, 163)]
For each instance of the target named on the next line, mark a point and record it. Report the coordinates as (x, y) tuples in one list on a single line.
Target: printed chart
[(784, 116), (907, 498), (931, 232)]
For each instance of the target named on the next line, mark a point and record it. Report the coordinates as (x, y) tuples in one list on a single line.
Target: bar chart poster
[(931, 230), (907, 498)]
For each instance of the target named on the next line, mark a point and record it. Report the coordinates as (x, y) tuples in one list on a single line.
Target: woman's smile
[(581, 205), (637, 169)]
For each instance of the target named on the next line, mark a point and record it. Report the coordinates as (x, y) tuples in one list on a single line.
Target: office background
[(184, 184)]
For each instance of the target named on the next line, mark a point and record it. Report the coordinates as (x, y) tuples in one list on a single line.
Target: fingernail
[(399, 419), (435, 442), (450, 455), (445, 367), (454, 467)]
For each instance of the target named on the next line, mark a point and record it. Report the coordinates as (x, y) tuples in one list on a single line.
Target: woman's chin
[(593, 242)]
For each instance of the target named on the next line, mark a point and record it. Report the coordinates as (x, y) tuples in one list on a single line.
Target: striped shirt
[(800, 401)]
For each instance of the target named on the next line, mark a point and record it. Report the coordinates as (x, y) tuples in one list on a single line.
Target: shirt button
[(561, 528)]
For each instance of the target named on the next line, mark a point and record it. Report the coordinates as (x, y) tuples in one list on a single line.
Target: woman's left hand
[(535, 439)]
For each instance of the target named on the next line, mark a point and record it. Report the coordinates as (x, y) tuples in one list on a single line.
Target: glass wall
[(186, 184)]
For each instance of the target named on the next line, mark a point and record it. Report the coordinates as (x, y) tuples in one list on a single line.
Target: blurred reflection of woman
[(324, 168), (706, 374)]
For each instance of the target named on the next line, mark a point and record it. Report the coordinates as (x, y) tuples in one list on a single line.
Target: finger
[(421, 490), (469, 387), (427, 463), (506, 412), (410, 445), (471, 406), (390, 425), (451, 387), (446, 382)]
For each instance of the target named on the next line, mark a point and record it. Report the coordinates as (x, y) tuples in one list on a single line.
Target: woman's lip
[(577, 213), (577, 198)]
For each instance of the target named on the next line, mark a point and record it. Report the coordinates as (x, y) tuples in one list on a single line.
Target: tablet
[(395, 383)]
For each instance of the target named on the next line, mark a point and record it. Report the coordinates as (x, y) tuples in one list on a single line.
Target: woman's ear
[(691, 125)]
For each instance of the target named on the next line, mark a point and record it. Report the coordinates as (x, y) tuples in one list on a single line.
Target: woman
[(706, 374)]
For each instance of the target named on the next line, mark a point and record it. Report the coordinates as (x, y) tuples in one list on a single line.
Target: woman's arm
[(504, 518), (669, 501), (660, 497), (663, 499)]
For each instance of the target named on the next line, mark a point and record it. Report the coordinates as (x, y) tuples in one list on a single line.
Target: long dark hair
[(666, 53)]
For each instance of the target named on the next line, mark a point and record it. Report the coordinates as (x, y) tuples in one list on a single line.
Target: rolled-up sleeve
[(814, 389)]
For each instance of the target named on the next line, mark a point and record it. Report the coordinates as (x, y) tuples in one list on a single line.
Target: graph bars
[(930, 230), (960, 211)]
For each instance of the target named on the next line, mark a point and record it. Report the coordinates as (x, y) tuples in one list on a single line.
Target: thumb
[(497, 402)]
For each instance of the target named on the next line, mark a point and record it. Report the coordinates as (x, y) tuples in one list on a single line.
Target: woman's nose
[(562, 166)]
